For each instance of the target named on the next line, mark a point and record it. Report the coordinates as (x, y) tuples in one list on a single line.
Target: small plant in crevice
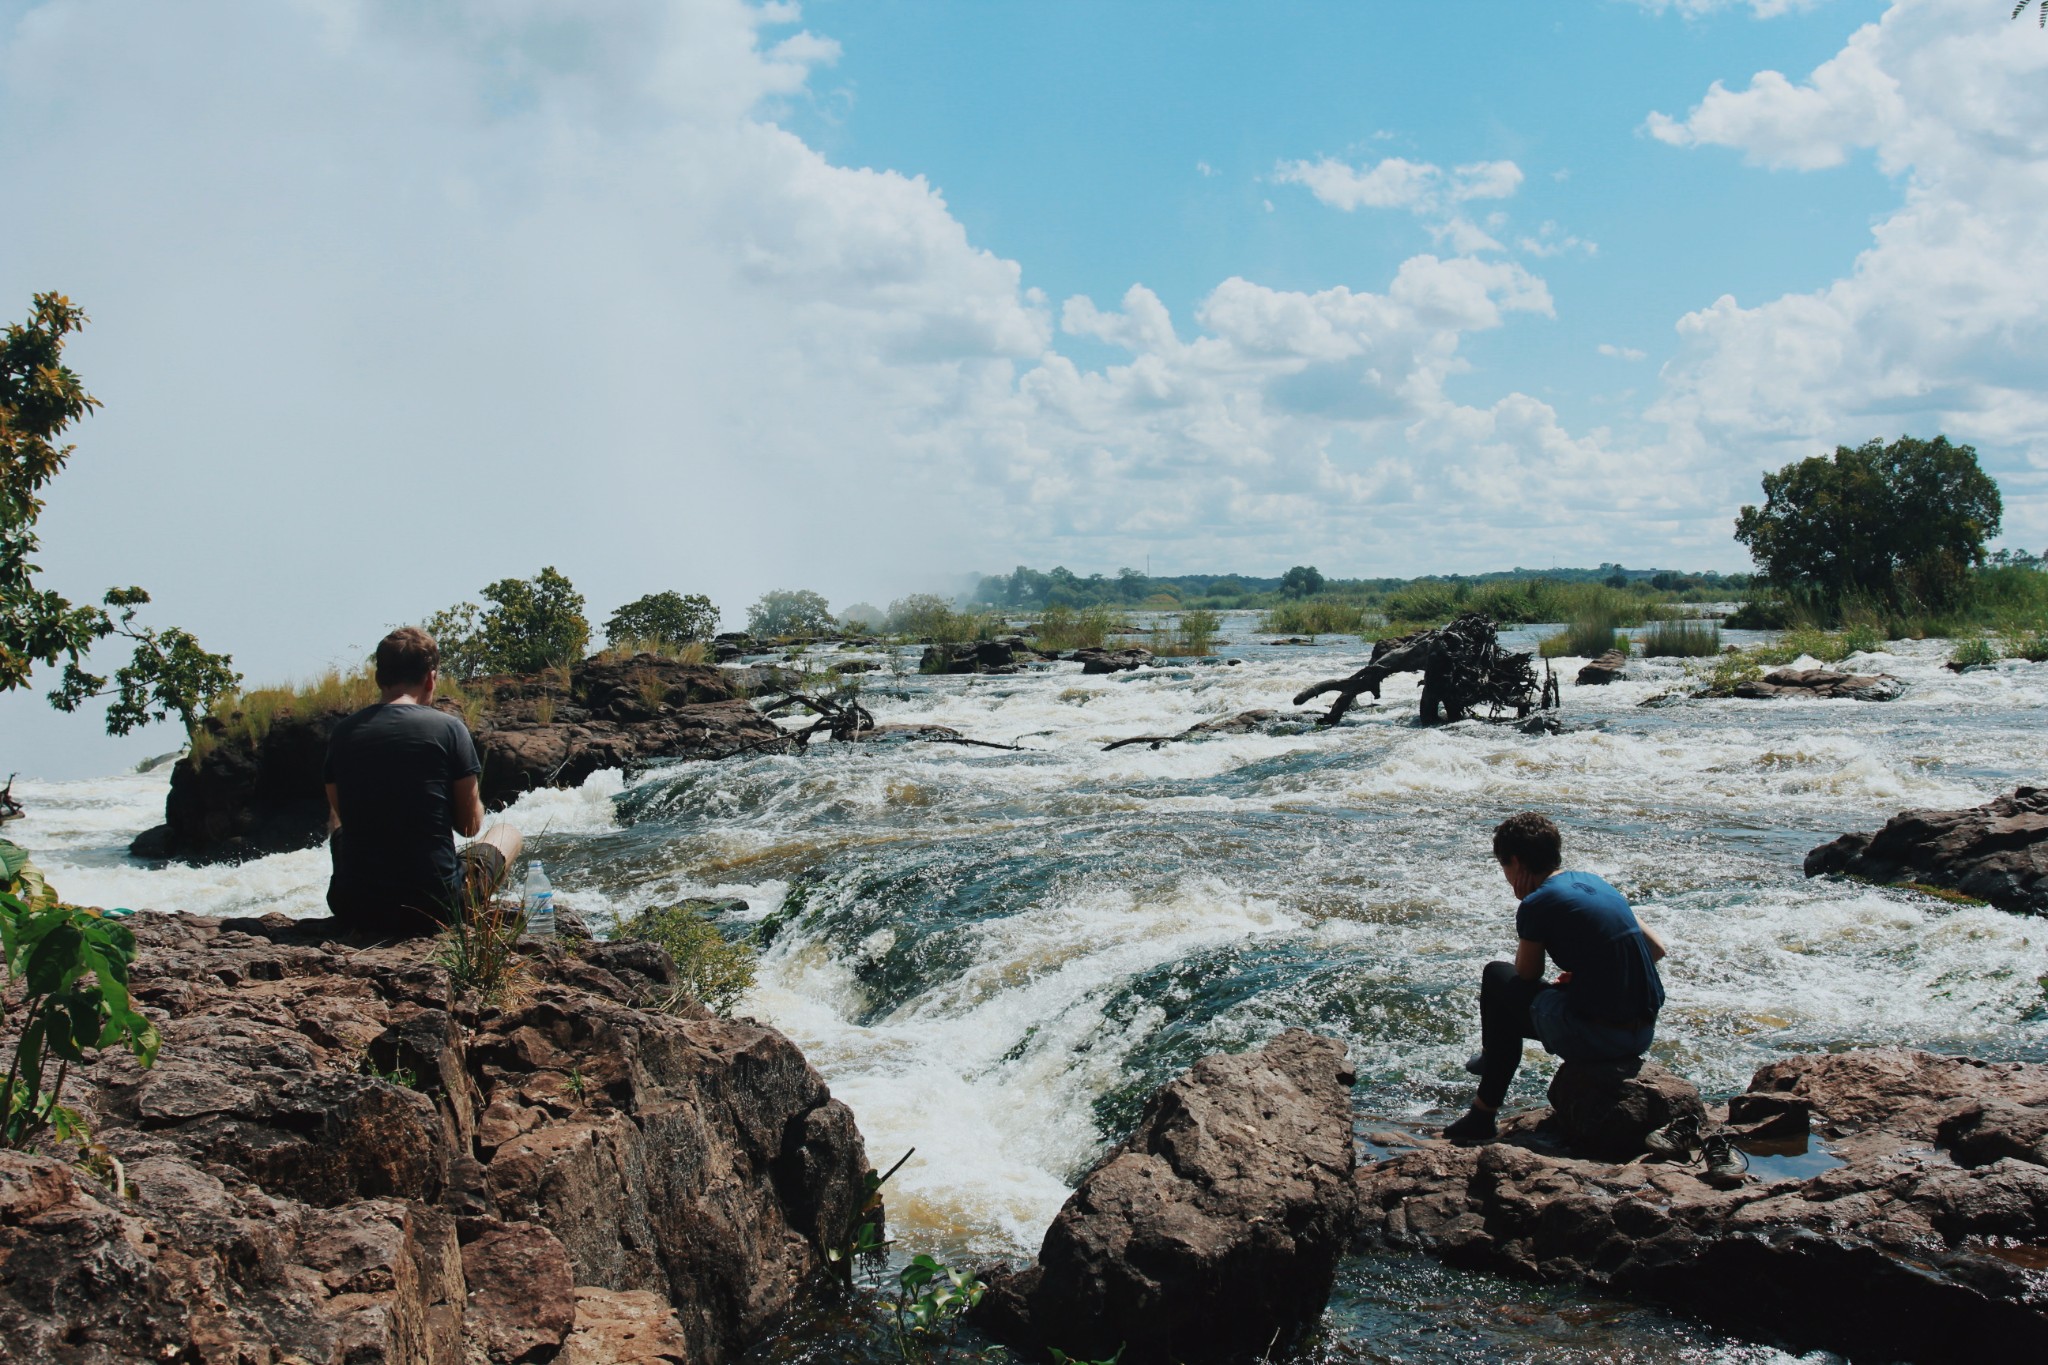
[(480, 950), (711, 969), (931, 1300), (863, 1239), (71, 965), (398, 1075), (574, 1083)]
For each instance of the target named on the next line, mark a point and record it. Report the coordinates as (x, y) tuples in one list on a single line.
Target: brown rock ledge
[(1996, 852), (569, 1178), (1928, 1242)]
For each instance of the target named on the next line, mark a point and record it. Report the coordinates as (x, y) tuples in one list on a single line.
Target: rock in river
[(1213, 1230), (1823, 683), (1603, 670), (1997, 852), (334, 1163), (1921, 1234)]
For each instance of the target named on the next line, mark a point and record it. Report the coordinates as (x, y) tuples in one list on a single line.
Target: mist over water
[(993, 956)]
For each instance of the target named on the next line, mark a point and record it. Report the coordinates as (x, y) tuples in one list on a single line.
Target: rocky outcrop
[(1211, 1232), (1603, 670), (1925, 1238), (1111, 660), (244, 796), (1007, 655), (1821, 683), (1996, 852), (334, 1162)]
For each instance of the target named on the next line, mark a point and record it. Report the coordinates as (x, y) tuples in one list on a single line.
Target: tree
[(668, 618), (167, 673), (869, 619), (534, 623), (790, 612), (1898, 525), (2021, 8), (459, 631), (921, 614), (1301, 581)]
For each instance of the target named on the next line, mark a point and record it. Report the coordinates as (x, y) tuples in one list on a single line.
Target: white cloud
[(1943, 321), (1398, 183), (1762, 9), (1609, 349), (1551, 240), (1204, 169)]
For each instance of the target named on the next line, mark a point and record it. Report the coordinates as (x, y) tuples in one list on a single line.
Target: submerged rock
[(332, 1162), (1996, 852), (1823, 683), (1211, 1232), (1921, 1234)]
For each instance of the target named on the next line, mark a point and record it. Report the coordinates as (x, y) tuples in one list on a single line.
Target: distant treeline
[(1027, 589)]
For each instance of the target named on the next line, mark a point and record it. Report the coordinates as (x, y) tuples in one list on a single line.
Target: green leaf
[(13, 857)]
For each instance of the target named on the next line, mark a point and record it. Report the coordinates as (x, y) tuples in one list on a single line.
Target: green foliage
[(2031, 645), (927, 616), (1682, 639), (1587, 638), (1732, 670), (252, 713), (864, 618), (1303, 580), (1314, 616), (1063, 628), (931, 1300), (534, 623), (709, 968), (1975, 652), (459, 632), (71, 967), (863, 1238), (669, 618), (1899, 525), (790, 612), (167, 672)]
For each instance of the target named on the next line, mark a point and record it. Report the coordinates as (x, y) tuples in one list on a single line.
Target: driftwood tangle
[(1463, 670)]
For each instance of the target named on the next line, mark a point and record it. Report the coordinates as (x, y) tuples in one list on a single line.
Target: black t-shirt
[(1587, 928), (393, 768)]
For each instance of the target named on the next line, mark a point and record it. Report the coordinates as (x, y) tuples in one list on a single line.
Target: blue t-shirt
[(1586, 927)]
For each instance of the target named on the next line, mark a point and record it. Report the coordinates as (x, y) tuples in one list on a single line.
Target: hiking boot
[(1476, 1064), (1476, 1126), (1676, 1140), (1727, 1164)]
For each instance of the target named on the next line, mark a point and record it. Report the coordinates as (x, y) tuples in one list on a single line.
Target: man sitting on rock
[(1603, 1005), (401, 782)]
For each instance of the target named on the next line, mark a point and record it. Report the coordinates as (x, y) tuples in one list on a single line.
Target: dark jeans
[(387, 912), (1507, 1015)]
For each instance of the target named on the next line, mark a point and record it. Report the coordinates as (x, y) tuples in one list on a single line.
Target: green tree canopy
[(667, 617), (167, 673), (534, 623), (920, 614), (790, 612), (1303, 580), (1896, 525)]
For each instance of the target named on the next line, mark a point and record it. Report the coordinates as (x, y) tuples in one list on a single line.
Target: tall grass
[(1193, 633), (1586, 638), (251, 714), (1090, 628), (1314, 616), (682, 652), (2012, 599), (1684, 639)]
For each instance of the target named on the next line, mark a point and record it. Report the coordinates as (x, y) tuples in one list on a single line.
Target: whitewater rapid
[(993, 956)]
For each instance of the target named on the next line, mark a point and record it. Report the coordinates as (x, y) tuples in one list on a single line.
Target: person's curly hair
[(1531, 838)]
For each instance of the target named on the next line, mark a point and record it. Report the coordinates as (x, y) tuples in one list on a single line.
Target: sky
[(390, 300)]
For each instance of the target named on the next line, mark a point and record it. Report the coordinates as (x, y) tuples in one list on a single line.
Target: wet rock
[(1822, 683), (1921, 1241), (1603, 670), (987, 656), (1111, 660), (1213, 1230), (1996, 852), (568, 1165), (1606, 1109)]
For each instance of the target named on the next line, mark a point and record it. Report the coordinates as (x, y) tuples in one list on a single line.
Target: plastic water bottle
[(539, 902)]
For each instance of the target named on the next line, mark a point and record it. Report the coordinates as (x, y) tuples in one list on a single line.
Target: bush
[(1688, 639), (2031, 645), (1732, 670), (1314, 616), (790, 612), (1063, 628), (1976, 652), (663, 617), (928, 616), (534, 623), (709, 968)]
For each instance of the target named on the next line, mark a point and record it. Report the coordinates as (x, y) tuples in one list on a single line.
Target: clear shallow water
[(993, 957)]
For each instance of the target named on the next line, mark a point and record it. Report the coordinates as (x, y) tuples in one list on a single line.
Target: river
[(994, 956)]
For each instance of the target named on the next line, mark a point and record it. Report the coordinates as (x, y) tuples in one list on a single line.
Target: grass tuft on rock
[(710, 968)]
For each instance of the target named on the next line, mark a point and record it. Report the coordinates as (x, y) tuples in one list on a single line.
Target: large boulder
[(333, 1162), (1213, 1231), (1918, 1233), (1823, 683), (1111, 660), (1606, 1109), (1996, 852)]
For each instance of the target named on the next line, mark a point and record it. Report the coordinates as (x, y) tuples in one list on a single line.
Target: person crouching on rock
[(1603, 1005), (401, 782)]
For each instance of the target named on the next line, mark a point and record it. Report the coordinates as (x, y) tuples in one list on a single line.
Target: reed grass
[(1063, 628), (1975, 652), (681, 652), (1314, 616), (1682, 639), (249, 715), (1586, 638), (1194, 632)]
